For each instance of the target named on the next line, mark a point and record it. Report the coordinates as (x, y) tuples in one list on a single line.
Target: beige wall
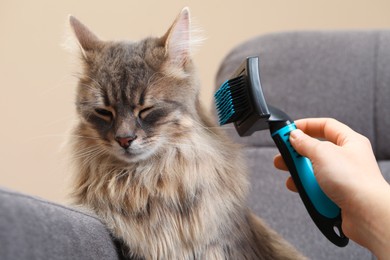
[(37, 86)]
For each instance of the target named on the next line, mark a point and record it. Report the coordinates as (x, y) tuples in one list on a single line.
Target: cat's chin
[(133, 157)]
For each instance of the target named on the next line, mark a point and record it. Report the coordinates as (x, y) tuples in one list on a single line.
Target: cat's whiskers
[(84, 137), (87, 154), (86, 151), (199, 126), (209, 128), (85, 161), (61, 136), (191, 148), (184, 144), (58, 120)]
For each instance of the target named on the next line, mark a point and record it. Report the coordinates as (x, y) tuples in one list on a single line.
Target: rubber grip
[(323, 211)]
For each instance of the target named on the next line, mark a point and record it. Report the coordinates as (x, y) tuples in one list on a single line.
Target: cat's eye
[(144, 112), (104, 112)]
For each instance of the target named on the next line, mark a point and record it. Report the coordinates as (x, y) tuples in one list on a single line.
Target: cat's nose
[(125, 142)]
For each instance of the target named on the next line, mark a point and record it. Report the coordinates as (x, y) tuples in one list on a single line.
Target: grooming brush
[(240, 100)]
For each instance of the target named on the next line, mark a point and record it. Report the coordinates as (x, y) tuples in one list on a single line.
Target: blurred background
[(37, 86)]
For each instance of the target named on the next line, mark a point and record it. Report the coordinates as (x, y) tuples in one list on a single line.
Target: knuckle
[(364, 140)]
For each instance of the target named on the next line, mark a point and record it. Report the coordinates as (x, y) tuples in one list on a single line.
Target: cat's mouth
[(135, 154), (130, 154)]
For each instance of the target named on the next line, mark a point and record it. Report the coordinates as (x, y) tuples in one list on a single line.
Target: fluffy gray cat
[(149, 161)]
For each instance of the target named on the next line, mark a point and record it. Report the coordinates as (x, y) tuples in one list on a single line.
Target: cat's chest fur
[(171, 207)]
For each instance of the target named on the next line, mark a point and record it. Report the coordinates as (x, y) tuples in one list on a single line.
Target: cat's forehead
[(123, 60), (125, 72)]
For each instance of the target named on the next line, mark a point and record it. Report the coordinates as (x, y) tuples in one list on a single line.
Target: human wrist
[(381, 225), (368, 221)]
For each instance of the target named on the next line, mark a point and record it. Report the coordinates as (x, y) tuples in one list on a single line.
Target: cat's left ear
[(177, 39), (87, 40)]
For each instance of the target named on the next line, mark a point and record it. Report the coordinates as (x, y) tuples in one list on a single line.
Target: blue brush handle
[(324, 212)]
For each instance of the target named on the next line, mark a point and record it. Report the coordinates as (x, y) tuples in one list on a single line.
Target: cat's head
[(134, 98)]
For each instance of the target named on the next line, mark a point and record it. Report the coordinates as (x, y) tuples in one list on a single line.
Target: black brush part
[(241, 100)]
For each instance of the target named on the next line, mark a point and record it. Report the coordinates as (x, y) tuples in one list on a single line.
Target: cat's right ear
[(86, 39), (177, 39)]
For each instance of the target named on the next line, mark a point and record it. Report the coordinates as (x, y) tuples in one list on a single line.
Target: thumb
[(304, 144)]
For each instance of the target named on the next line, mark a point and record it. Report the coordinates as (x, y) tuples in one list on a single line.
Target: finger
[(279, 163), (291, 185), (328, 128), (304, 144)]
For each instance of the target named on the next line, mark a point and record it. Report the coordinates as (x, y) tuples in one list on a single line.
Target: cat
[(150, 161)]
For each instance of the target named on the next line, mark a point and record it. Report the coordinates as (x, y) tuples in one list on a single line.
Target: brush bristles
[(231, 100)]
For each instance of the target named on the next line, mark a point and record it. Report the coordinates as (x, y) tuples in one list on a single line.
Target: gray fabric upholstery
[(31, 228), (344, 75), (385, 168)]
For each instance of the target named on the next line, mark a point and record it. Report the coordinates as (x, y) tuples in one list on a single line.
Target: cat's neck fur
[(186, 181)]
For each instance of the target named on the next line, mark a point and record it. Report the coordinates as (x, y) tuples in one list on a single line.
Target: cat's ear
[(177, 39), (87, 40)]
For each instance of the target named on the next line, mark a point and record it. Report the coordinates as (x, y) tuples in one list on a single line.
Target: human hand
[(347, 171)]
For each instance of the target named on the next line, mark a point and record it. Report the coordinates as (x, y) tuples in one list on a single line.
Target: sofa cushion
[(382, 97), (32, 228)]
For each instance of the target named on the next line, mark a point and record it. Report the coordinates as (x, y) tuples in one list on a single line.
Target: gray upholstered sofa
[(342, 74)]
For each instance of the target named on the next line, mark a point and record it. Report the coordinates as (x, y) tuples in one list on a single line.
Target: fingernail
[(295, 134)]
